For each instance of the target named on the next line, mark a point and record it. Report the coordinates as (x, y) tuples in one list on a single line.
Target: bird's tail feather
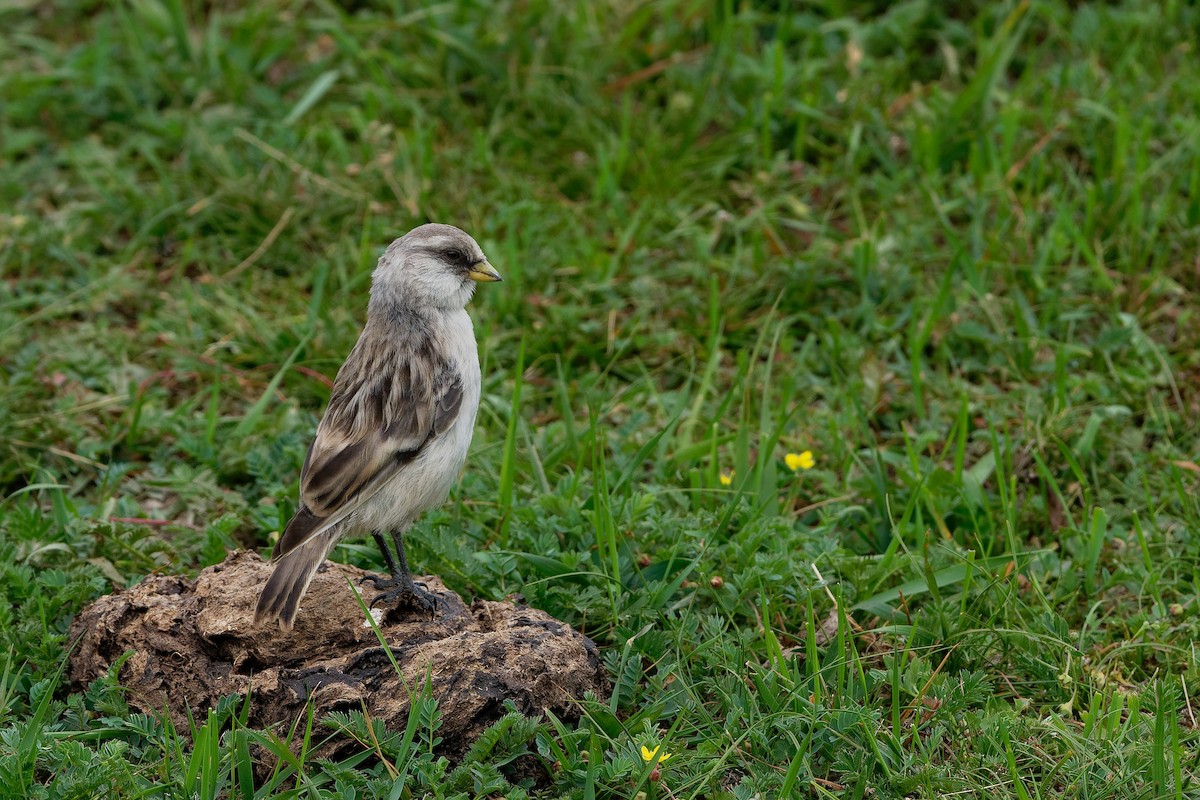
[(293, 572)]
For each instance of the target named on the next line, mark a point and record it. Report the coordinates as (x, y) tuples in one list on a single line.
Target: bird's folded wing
[(389, 401)]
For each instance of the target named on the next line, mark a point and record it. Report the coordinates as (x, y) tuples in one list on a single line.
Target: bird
[(401, 414)]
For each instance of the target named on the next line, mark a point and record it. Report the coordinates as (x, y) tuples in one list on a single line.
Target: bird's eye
[(456, 256)]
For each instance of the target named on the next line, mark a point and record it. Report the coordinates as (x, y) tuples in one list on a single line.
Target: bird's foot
[(401, 592)]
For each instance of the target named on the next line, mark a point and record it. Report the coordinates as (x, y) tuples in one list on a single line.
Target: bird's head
[(432, 266)]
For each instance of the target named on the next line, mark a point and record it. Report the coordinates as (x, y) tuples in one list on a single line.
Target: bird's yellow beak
[(483, 272)]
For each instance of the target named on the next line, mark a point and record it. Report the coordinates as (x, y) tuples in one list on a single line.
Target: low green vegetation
[(950, 250)]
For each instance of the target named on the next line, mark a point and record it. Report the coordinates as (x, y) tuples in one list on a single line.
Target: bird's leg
[(412, 594), (399, 587), (393, 570)]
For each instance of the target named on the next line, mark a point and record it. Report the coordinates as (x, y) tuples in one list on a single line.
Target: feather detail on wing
[(389, 400)]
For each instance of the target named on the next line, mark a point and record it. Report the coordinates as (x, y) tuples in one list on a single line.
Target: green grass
[(952, 249)]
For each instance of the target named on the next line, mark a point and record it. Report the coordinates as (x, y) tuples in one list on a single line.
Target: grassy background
[(953, 249)]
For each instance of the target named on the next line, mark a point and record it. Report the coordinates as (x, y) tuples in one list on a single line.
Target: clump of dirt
[(194, 642)]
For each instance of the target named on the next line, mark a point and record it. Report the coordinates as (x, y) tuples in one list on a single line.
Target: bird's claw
[(403, 594)]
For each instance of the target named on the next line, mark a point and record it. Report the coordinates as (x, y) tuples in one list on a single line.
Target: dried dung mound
[(194, 642)]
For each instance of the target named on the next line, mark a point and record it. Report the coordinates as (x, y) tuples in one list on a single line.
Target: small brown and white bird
[(399, 423)]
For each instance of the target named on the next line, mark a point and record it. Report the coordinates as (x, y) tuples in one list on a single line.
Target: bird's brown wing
[(389, 400)]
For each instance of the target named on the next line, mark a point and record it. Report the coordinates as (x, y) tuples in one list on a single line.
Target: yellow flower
[(726, 478), (796, 461), (652, 755)]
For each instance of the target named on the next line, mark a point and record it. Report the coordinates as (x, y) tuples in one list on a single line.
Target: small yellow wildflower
[(797, 461), (649, 755), (726, 478)]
